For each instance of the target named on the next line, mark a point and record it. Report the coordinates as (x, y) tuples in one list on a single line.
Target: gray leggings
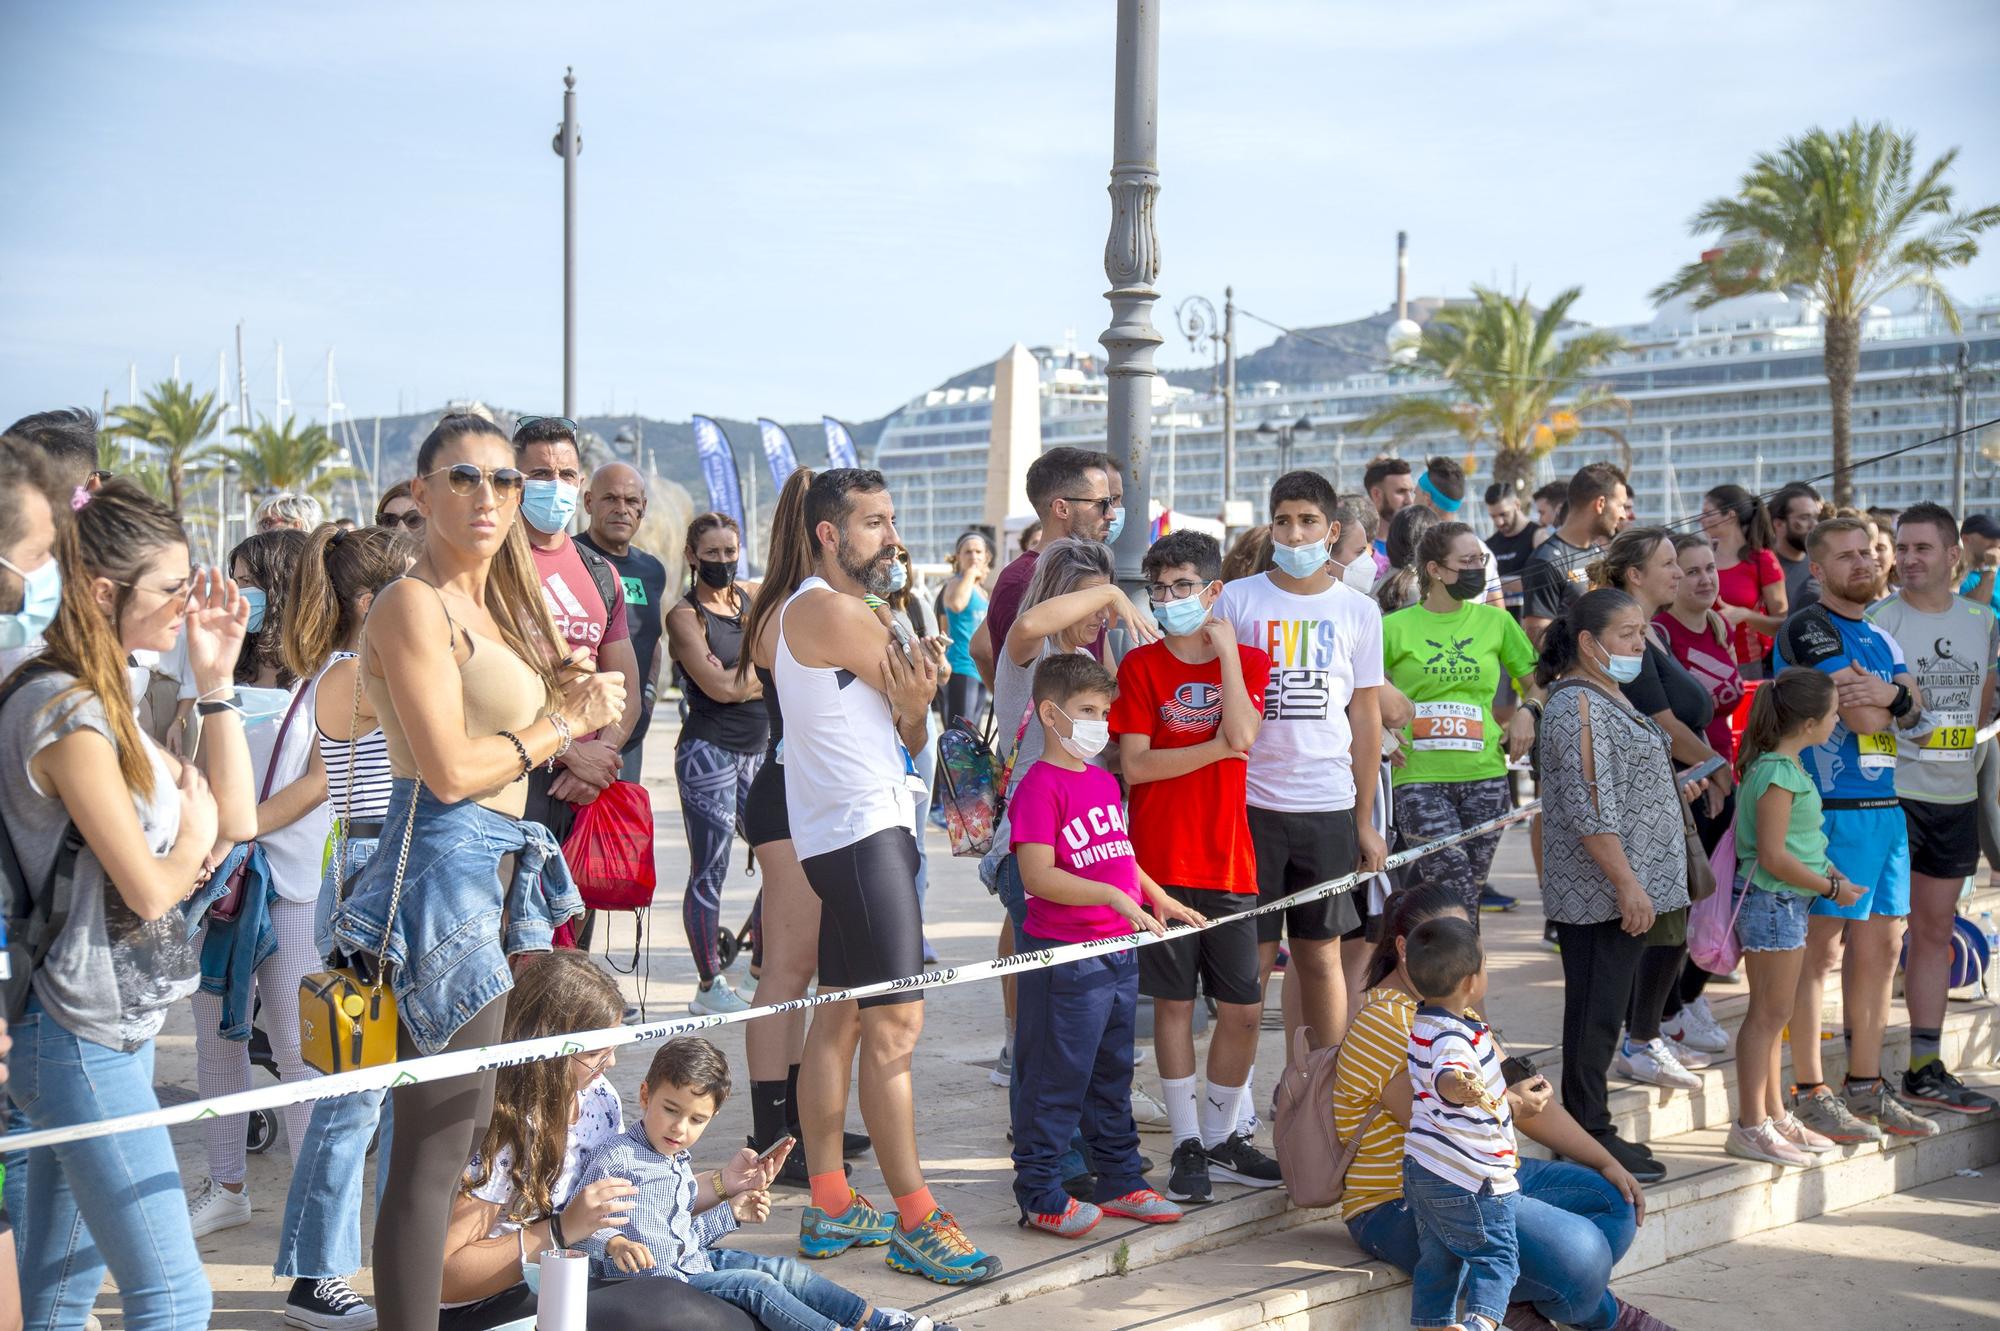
[(437, 1126)]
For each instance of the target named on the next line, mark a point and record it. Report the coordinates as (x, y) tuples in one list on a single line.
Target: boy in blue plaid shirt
[(676, 1219)]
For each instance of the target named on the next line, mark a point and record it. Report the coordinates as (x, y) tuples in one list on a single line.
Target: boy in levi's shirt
[(1073, 1023)]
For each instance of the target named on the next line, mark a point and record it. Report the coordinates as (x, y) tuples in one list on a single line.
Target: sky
[(790, 209)]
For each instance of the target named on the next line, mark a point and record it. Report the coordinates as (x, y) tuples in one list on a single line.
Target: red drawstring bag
[(610, 850)]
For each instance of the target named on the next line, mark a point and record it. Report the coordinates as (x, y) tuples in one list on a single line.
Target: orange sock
[(912, 1209), (830, 1192)]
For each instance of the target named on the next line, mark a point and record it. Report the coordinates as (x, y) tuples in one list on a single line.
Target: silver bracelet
[(564, 737)]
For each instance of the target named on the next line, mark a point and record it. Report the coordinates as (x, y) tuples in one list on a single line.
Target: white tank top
[(844, 767)]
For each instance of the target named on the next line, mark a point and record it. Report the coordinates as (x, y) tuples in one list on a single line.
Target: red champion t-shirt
[(1191, 831)]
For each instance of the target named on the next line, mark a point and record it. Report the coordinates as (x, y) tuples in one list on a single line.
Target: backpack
[(975, 785), (1311, 1156), (34, 914), (610, 587)]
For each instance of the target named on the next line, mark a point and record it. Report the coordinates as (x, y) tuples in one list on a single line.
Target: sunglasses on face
[(1104, 505), (464, 479), (412, 520)]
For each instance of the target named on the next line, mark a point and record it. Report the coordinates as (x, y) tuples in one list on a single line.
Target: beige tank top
[(501, 693)]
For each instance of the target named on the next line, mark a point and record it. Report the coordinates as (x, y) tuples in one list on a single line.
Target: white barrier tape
[(467, 1062)]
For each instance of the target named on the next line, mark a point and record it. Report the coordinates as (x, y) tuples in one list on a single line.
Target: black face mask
[(1469, 585), (716, 573)]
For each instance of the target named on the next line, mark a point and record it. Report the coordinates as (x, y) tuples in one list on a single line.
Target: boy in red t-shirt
[(1074, 1022), (1188, 708)]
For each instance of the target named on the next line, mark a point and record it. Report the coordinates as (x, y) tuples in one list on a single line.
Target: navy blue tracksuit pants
[(1073, 1069)]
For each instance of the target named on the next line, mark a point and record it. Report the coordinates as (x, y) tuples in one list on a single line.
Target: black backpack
[(35, 913), (610, 587)]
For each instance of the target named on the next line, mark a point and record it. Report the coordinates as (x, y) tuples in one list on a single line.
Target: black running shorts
[(1297, 851), (1223, 959), (871, 928), (1944, 838)]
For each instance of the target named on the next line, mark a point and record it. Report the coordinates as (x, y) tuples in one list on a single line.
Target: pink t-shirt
[(577, 606), (1081, 815)]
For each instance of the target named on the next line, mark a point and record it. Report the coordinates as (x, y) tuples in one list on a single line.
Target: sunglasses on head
[(464, 479), (523, 422)]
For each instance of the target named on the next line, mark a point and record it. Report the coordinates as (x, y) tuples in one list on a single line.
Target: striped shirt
[(372, 779), (1469, 1145), (1376, 1052)]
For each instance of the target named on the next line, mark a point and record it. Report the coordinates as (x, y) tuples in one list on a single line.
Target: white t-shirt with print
[(1322, 648)]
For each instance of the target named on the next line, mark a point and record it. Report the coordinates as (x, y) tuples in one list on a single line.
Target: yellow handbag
[(347, 1014)]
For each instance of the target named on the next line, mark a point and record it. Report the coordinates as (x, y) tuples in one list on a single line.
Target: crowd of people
[(369, 746)]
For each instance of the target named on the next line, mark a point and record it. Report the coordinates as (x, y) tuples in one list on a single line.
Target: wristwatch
[(1903, 703), (721, 1189)]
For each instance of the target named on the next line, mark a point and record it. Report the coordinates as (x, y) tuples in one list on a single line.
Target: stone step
[(1310, 1277)]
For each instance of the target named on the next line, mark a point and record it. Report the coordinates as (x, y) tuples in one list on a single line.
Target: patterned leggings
[(1427, 811), (714, 784)]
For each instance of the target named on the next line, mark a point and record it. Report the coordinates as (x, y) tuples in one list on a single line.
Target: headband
[(1444, 502)]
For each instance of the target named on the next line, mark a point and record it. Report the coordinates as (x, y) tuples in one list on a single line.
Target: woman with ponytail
[(292, 824), (73, 759), (1750, 587), (319, 1242), (464, 669), (721, 743)]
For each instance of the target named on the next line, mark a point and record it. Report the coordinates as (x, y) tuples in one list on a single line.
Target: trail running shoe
[(859, 1226), (1491, 902), (327, 1305), (1803, 1137), (938, 1250), (1827, 1114), (1763, 1143), (1238, 1160), (1145, 1206), (1072, 1222), (1654, 1064), (1696, 1027), (1933, 1087), (1873, 1102), (1187, 1179)]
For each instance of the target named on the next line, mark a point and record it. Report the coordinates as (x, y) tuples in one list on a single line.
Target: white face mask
[(1360, 574), (1086, 739)]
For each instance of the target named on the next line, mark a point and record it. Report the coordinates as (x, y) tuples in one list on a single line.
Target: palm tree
[(305, 460), (1508, 368), (120, 460), (175, 422), (1841, 219)]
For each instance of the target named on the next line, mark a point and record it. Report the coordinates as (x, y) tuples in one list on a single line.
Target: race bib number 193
[(1877, 750)]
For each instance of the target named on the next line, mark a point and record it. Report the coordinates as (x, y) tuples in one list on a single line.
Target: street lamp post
[(568, 143), (1197, 320), (1284, 432), (1132, 263)]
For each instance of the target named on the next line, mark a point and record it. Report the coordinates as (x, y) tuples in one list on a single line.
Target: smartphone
[(901, 634), (774, 1148)]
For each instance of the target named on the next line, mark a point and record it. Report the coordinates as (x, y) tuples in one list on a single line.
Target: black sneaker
[(327, 1305), (1188, 1180), (793, 1173), (1932, 1087), (853, 1144), (1239, 1161), (1635, 1159)]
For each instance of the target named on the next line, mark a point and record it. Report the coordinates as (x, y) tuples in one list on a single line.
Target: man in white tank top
[(855, 706)]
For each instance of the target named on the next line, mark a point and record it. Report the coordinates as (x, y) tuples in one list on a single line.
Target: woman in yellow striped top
[(1574, 1220)]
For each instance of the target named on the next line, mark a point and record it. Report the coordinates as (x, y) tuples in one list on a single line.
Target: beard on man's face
[(872, 574)]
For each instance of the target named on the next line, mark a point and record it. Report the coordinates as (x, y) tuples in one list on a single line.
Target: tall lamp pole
[(568, 143), (1960, 372), (1197, 320), (1302, 427), (1132, 263)]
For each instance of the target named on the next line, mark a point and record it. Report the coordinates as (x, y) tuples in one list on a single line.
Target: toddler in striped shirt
[(1458, 1157)]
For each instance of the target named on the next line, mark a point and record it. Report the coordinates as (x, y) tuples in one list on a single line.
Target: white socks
[(1180, 1094), (1220, 1108), (1246, 1111)]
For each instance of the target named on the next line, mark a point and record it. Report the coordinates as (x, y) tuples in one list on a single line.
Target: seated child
[(1461, 1138), (676, 1219), (1073, 1022)]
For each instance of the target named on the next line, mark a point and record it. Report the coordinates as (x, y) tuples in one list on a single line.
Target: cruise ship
[(1734, 393)]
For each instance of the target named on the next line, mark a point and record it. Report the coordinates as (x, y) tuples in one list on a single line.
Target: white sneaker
[(1688, 1056), (1696, 1027), (216, 1207), (716, 999), (1763, 1142), (1003, 1066), (1148, 1113), (1655, 1064)]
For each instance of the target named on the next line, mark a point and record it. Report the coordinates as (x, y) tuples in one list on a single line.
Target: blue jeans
[(1570, 1228), (321, 1232), (779, 1292), (111, 1201), (1465, 1244)]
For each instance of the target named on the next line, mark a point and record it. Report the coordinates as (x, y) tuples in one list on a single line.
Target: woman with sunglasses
[(398, 511), (76, 767), (463, 667)]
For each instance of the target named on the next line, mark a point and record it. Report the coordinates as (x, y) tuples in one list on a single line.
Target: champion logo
[(1195, 708)]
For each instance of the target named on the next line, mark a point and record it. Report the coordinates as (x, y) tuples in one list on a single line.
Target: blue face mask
[(41, 593), (1299, 561), (1623, 669), (899, 577), (1182, 617), (255, 599), (1117, 525), (262, 704), (548, 505)]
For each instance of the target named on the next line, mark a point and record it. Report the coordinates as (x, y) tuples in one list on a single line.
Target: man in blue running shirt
[(1867, 837)]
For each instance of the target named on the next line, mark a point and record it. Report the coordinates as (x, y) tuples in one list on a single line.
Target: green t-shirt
[(1805, 837), (1450, 667)]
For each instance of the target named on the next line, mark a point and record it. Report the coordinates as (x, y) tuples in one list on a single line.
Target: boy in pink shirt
[(1073, 1031)]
